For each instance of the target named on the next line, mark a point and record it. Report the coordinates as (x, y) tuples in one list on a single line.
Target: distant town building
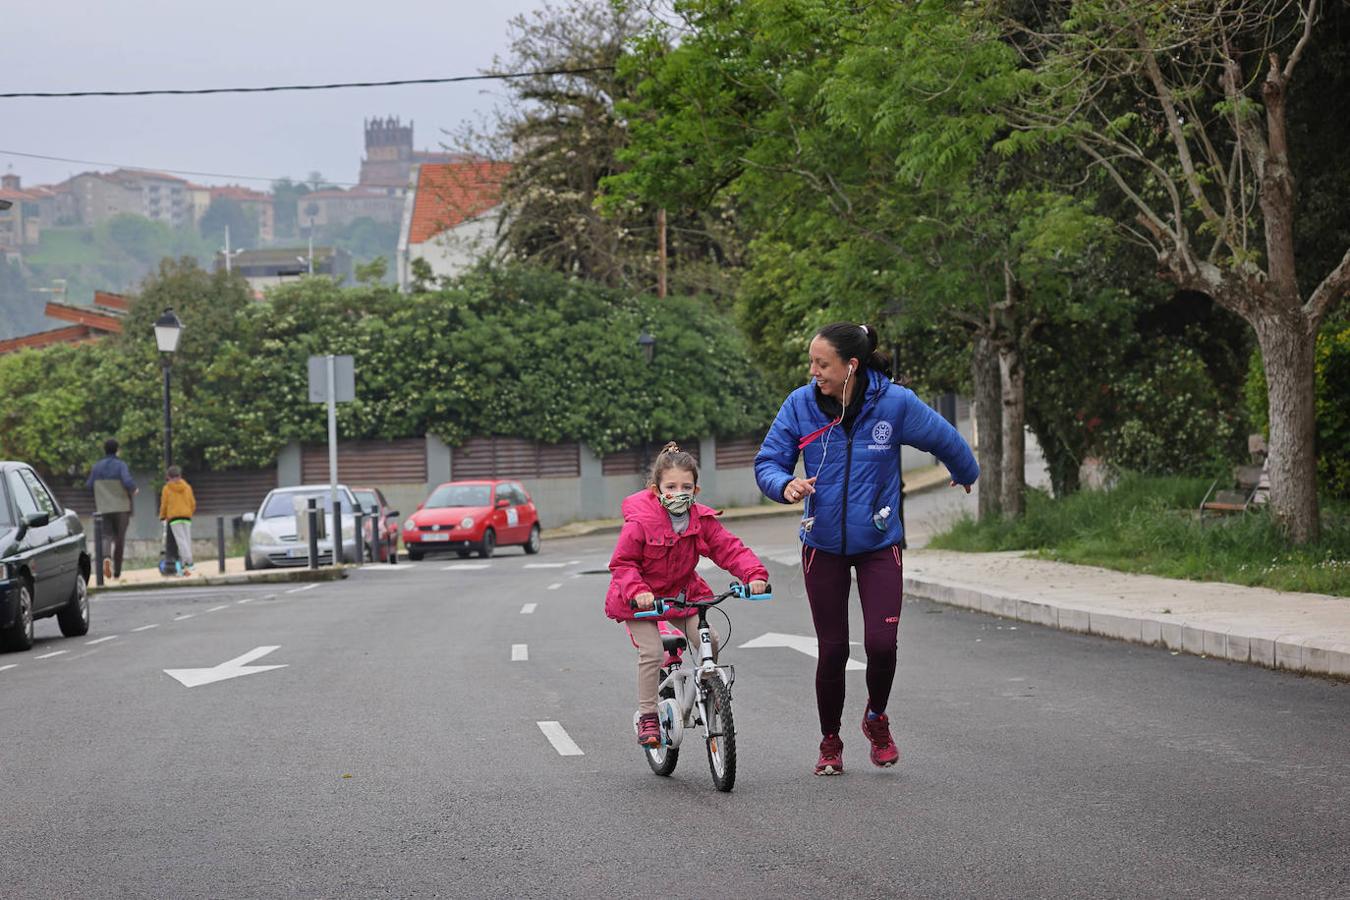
[(449, 217), (256, 204), (390, 155), (21, 224), (98, 197), (263, 269), (336, 207), (164, 198)]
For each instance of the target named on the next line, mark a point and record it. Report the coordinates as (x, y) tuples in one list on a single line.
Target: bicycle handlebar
[(662, 604)]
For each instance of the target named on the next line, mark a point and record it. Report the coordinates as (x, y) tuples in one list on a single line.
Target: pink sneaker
[(878, 731), (649, 730), (831, 760)]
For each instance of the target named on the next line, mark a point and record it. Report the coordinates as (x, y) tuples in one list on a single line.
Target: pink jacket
[(650, 556)]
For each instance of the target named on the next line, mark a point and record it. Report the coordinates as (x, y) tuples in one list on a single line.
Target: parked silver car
[(276, 540)]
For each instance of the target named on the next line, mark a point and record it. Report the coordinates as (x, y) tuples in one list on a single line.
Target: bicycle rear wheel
[(663, 757), (721, 732)]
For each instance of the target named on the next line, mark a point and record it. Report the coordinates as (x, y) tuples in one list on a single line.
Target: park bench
[(1238, 497)]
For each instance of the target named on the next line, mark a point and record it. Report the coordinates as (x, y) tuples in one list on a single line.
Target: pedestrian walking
[(664, 534), (848, 426), (176, 507), (114, 488)]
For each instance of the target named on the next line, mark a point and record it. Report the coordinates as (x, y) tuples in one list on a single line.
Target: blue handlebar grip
[(767, 595), (657, 609)]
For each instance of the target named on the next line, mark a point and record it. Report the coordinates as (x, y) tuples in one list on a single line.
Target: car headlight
[(410, 525), (466, 522)]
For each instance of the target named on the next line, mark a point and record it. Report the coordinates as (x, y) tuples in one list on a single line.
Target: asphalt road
[(397, 752)]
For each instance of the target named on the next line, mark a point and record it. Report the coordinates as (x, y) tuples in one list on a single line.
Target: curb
[(1288, 652), (328, 573)]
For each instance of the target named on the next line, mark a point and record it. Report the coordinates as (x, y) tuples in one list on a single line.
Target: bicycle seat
[(673, 643)]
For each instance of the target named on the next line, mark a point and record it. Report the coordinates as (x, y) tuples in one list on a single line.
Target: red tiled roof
[(450, 193), (109, 300), (247, 195), (86, 316), (70, 334), (354, 193)]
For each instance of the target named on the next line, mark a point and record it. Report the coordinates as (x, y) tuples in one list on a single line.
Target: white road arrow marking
[(229, 669), (799, 642), (520, 652)]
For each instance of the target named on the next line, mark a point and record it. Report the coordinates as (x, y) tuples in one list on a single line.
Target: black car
[(44, 561)]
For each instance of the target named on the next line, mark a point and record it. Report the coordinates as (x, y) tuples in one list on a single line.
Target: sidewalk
[(1307, 633), (207, 572)]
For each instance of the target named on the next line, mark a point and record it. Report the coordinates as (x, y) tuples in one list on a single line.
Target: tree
[(1185, 108), (286, 196), (226, 213)]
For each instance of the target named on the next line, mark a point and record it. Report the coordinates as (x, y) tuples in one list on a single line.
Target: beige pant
[(651, 653)]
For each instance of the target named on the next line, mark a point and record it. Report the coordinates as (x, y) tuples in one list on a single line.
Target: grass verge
[(1149, 525)]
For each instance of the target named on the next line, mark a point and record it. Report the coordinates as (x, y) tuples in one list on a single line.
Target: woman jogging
[(848, 425)]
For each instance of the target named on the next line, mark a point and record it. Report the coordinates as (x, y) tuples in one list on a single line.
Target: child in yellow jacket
[(176, 506)]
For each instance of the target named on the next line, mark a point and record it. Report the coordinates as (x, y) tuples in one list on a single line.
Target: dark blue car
[(44, 561)]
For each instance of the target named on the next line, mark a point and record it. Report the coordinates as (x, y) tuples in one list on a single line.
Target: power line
[(302, 87), (90, 162)]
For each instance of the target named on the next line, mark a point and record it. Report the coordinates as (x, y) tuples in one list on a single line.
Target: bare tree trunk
[(984, 373), (1014, 430), (1288, 352)]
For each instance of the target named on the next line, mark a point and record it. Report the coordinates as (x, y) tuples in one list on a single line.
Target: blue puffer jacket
[(861, 471)]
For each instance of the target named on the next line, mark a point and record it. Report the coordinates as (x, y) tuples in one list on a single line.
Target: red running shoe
[(878, 731), (649, 730), (831, 760)]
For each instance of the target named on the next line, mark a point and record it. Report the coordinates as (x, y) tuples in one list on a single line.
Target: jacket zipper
[(843, 518)]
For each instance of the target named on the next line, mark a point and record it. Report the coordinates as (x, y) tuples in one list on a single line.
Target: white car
[(275, 540)]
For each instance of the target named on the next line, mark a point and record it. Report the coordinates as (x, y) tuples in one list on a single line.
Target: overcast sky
[(66, 45)]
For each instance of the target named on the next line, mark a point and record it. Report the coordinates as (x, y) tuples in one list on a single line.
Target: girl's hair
[(851, 341), (672, 457)]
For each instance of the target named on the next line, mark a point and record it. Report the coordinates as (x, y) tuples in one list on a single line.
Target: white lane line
[(559, 738), (528, 608), (100, 640), (219, 608), (385, 567), (50, 655), (520, 652), (10, 666), (466, 566), (546, 565), (146, 627), (245, 600), (555, 585), (308, 587), (183, 616)]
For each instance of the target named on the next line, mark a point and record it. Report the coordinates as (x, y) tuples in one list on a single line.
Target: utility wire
[(91, 162), (302, 87)]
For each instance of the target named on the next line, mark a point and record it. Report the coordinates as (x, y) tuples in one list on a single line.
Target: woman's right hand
[(645, 600), (798, 488)]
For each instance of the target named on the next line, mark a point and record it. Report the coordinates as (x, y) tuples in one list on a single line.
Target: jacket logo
[(881, 433)]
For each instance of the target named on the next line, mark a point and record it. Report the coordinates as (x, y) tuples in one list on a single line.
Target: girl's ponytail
[(672, 457)]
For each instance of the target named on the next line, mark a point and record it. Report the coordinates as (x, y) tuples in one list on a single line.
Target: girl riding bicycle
[(664, 534)]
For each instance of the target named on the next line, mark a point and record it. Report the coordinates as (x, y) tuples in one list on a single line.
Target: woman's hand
[(966, 486), (644, 600), (758, 587), (798, 488)]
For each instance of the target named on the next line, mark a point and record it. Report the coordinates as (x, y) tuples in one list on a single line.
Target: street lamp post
[(168, 329)]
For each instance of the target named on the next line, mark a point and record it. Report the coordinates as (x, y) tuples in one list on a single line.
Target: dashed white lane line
[(528, 608), (308, 587), (385, 567), (101, 640), (10, 666), (465, 566), (546, 565), (245, 600), (183, 616), (555, 585), (219, 608), (50, 655), (146, 627), (558, 737), (520, 653)]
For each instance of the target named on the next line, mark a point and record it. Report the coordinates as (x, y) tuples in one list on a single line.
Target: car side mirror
[(248, 518), (503, 503), (420, 505), (37, 519)]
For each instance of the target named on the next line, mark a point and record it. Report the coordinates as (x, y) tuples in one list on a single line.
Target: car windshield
[(459, 495), (283, 505), (367, 499)]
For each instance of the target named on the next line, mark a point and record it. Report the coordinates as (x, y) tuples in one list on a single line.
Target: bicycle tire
[(662, 758), (720, 729)]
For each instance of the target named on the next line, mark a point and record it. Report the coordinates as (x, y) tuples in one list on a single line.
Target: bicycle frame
[(686, 684)]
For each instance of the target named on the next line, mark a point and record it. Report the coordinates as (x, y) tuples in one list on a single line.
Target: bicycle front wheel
[(721, 733), (663, 757)]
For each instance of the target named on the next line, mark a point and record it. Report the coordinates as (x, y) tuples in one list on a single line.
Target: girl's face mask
[(678, 503)]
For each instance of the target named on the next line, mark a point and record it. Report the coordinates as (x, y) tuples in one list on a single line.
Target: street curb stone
[(1292, 652), (328, 573)]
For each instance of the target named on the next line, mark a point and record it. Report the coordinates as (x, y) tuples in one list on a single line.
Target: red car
[(468, 516), (381, 525)]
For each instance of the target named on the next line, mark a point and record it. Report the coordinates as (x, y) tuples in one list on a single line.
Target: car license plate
[(433, 536)]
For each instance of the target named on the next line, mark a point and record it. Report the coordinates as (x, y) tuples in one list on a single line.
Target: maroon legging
[(880, 586)]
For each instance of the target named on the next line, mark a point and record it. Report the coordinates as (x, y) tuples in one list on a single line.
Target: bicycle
[(698, 695)]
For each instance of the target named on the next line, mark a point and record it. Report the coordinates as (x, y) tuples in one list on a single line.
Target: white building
[(449, 216)]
